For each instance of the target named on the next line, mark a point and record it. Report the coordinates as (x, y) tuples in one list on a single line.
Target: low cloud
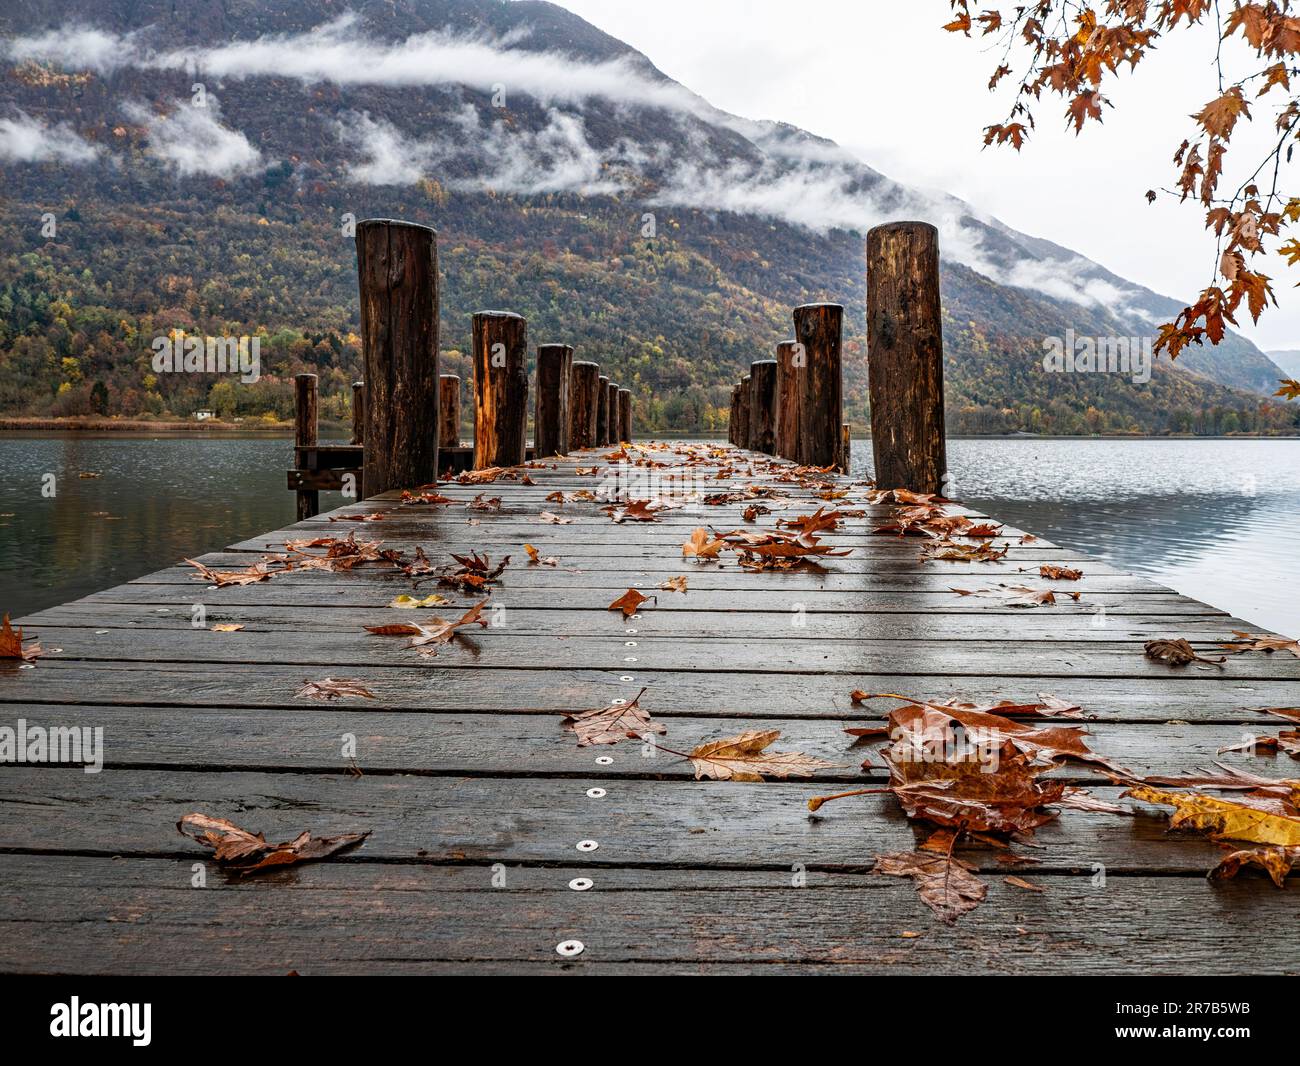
[(192, 140), (24, 139)]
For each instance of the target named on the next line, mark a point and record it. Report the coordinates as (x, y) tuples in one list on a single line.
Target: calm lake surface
[(1218, 520)]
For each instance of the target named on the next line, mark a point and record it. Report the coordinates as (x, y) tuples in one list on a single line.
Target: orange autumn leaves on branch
[(1070, 50)]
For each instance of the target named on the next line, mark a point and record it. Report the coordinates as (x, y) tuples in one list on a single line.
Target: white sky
[(884, 80)]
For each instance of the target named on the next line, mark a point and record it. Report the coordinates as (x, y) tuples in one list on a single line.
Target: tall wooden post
[(448, 411), (584, 383), (602, 411), (625, 416), (397, 270), (733, 423), (789, 393), (551, 407), (611, 405), (762, 377), (817, 328), (742, 423), (905, 356), (846, 449), (358, 412), (304, 436), (500, 341)]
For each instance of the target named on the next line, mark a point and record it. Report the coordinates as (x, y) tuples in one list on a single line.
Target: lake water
[(1215, 519)]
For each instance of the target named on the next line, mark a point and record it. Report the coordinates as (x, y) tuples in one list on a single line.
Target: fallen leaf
[(1059, 573), (227, 627), (1255, 817), (674, 584), (945, 884), (609, 725), (250, 853), (11, 643), (1260, 642), (425, 635), (535, 558), (1277, 862), (743, 758), (554, 519), (333, 688), (629, 602), (1176, 652), (405, 602), (1020, 882), (702, 546)]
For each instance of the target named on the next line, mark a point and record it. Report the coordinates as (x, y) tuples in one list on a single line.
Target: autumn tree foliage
[(1070, 50)]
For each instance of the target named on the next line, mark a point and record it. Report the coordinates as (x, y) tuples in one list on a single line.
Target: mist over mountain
[(200, 162)]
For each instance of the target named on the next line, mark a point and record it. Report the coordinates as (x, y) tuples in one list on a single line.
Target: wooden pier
[(476, 797), (497, 842)]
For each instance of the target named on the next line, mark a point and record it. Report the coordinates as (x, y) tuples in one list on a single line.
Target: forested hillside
[(577, 214)]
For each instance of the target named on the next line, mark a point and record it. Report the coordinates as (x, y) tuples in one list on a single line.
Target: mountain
[(188, 164)]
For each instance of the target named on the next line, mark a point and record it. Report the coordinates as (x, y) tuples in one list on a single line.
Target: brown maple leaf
[(1277, 862), (629, 602), (945, 884), (249, 853), (1059, 573), (702, 546), (1176, 652), (11, 643), (333, 688), (536, 559), (427, 635), (743, 758), (674, 584), (609, 725), (1260, 642), (258, 571)]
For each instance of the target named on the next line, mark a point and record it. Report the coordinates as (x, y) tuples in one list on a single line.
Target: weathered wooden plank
[(875, 600), (497, 647), (308, 738), (1181, 696), (141, 917), (502, 819), (560, 621)]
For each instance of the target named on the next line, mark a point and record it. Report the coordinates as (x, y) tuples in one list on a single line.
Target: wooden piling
[(551, 407), (789, 391), (602, 411), (611, 406), (733, 422), (584, 383), (500, 343), (905, 356), (358, 412), (762, 376), (846, 448), (397, 272), (743, 409), (625, 416), (305, 420), (817, 328), (448, 411)]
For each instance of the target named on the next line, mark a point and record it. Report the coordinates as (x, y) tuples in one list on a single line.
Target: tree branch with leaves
[(1071, 50)]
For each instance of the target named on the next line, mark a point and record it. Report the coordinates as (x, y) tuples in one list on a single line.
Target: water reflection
[(1214, 519)]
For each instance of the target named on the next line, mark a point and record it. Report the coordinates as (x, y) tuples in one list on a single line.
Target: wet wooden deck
[(465, 765)]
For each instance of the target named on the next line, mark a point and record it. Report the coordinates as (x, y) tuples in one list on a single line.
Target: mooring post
[(625, 416), (500, 342), (584, 383), (742, 426), (397, 271), (817, 328), (762, 376), (358, 412), (846, 448), (304, 436), (733, 421), (611, 404), (905, 356), (602, 412), (789, 390), (551, 407), (448, 411)]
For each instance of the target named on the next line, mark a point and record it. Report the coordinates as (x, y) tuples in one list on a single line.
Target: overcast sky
[(884, 80)]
